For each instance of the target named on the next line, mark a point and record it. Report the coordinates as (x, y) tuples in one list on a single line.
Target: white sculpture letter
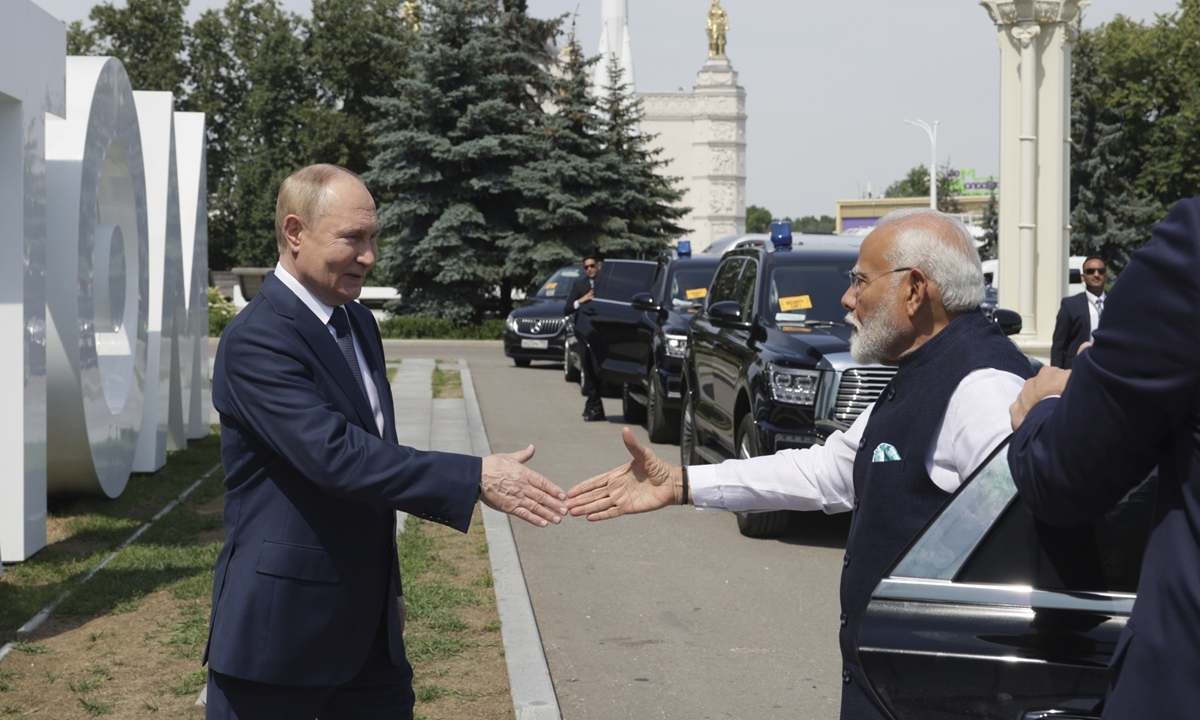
[(33, 48), (96, 323), (192, 163)]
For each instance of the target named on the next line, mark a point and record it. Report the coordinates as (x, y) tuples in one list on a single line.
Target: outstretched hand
[(508, 486), (645, 483)]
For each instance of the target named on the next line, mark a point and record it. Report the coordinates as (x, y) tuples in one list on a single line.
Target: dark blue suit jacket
[(1133, 401), (309, 566), (1072, 328)]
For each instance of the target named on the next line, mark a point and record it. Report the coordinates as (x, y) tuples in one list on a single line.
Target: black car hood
[(811, 343), (540, 308)]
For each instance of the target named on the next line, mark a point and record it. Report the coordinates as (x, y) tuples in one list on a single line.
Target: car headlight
[(795, 387), (675, 346), (511, 323)]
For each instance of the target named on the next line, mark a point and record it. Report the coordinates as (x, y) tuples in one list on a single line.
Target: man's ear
[(916, 291), (292, 227)]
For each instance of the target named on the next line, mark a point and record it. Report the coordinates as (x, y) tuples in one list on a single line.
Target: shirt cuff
[(703, 487)]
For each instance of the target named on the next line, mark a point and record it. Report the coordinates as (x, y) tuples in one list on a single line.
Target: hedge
[(420, 328)]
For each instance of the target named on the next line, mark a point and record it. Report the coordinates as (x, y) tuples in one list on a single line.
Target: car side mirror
[(727, 313), (1008, 320), (644, 301)]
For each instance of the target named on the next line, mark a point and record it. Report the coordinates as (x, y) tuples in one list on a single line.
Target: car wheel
[(763, 524), (634, 411), (687, 432), (662, 424), (521, 362), (585, 381), (570, 372)]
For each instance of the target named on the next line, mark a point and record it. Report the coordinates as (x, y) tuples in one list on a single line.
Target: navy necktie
[(1099, 305), (340, 322)]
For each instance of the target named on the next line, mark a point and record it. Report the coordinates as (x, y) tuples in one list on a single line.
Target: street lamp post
[(932, 133)]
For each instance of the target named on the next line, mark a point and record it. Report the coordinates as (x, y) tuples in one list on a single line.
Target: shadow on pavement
[(816, 529)]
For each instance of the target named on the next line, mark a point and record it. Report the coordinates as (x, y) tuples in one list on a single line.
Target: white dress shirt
[(822, 477), (323, 313), (1093, 311)]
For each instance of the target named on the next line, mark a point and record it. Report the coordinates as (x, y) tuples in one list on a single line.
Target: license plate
[(535, 344)]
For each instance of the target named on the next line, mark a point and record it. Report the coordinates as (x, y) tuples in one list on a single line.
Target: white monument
[(33, 49), (614, 43), (1036, 40), (192, 166), (703, 137)]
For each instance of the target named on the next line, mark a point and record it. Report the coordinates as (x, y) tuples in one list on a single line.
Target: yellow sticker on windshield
[(696, 293), (551, 286), (795, 302)]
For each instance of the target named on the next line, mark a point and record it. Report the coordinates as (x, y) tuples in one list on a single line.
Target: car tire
[(585, 382), (521, 362), (687, 432), (661, 424), (761, 524), (634, 411)]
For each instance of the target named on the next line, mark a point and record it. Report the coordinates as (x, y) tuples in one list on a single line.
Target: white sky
[(828, 84)]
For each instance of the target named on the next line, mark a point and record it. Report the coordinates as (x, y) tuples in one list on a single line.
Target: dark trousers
[(593, 406), (380, 691)]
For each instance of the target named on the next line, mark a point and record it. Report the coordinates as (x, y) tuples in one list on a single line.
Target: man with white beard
[(913, 301)]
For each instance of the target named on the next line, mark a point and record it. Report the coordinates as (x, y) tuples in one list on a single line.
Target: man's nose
[(850, 299)]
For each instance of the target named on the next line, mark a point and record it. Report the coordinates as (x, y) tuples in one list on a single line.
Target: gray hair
[(941, 247)]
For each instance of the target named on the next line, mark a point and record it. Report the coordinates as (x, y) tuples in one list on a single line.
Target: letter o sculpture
[(97, 281)]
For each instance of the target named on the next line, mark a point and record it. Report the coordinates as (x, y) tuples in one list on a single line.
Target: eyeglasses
[(588, 266), (858, 278), (1095, 271)]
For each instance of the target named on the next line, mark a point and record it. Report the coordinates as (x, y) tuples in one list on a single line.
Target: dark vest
[(894, 499)]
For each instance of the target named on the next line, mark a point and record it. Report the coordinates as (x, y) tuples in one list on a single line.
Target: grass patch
[(447, 383), (83, 530), (391, 373)]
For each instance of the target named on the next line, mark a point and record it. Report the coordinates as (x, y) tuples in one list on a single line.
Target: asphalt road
[(668, 615)]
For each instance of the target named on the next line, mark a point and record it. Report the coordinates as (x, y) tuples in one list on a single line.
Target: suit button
[(843, 619), (891, 393), (862, 443), (846, 677), (846, 560), (855, 503)]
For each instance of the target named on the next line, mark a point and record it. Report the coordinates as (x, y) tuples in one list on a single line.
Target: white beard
[(870, 342)]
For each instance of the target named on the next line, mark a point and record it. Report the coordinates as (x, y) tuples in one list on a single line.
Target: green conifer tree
[(453, 134), (648, 198)]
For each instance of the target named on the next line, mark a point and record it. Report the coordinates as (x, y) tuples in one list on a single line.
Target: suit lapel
[(326, 349), (368, 333)]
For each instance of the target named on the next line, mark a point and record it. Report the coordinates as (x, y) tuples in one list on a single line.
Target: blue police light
[(781, 234), (684, 248)]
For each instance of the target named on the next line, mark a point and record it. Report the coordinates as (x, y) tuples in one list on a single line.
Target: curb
[(528, 673)]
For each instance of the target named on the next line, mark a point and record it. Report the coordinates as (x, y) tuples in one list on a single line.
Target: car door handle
[(1055, 715)]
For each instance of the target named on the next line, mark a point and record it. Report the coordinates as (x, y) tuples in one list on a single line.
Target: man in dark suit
[(582, 292), (1079, 315), (1133, 402), (307, 609)]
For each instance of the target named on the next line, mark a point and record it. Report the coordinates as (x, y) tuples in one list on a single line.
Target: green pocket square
[(885, 453)]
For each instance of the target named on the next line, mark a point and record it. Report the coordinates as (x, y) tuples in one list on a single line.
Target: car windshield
[(689, 287), (559, 284), (808, 293)]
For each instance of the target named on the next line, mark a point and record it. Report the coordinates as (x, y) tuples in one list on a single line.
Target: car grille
[(858, 389), (539, 326)]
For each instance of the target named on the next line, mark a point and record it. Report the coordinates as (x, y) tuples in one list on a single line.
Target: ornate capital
[(1025, 33), (1009, 13)]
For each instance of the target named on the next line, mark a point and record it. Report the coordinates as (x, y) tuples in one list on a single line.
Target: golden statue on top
[(718, 25), (410, 15)]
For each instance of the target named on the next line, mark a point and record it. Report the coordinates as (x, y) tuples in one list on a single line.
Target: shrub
[(417, 328), (220, 312)]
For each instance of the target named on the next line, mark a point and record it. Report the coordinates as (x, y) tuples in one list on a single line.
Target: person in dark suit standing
[(1079, 315), (307, 609), (582, 292), (1133, 402)]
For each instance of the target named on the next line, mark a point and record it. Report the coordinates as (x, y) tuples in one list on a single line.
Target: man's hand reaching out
[(645, 483), (508, 486)]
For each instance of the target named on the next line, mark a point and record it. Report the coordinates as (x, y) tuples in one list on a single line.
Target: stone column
[(1036, 38), (719, 154)]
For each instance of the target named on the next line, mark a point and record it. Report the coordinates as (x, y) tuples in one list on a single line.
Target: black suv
[(768, 361), (676, 294), (535, 328)]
